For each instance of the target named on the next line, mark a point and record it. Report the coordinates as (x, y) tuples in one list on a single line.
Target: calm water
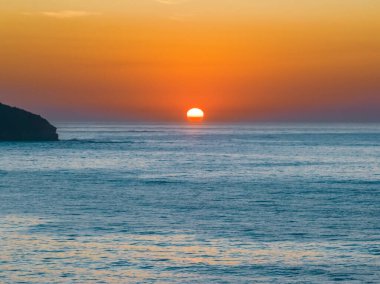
[(192, 204)]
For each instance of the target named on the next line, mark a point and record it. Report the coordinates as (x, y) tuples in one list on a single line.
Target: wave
[(354, 182), (90, 141)]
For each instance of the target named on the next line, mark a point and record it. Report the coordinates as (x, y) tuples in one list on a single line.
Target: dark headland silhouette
[(20, 125)]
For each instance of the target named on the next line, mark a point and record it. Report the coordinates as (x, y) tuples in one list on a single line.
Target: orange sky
[(239, 60)]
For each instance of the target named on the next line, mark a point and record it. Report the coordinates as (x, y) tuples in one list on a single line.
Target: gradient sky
[(239, 60)]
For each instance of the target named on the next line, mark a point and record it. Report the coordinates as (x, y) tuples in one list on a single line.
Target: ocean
[(202, 203)]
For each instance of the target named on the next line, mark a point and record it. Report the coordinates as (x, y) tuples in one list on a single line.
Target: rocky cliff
[(19, 125)]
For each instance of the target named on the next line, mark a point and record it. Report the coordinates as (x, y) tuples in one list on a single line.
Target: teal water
[(192, 204)]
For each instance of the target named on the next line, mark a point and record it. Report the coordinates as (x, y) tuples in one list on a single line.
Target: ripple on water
[(41, 257)]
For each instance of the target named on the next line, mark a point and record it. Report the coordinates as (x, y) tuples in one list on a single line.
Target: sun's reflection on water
[(34, 257)]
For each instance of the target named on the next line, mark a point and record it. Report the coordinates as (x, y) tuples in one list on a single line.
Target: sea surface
[(260, 203)]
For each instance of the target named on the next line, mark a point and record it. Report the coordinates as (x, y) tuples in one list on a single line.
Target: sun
[(195, 115)]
